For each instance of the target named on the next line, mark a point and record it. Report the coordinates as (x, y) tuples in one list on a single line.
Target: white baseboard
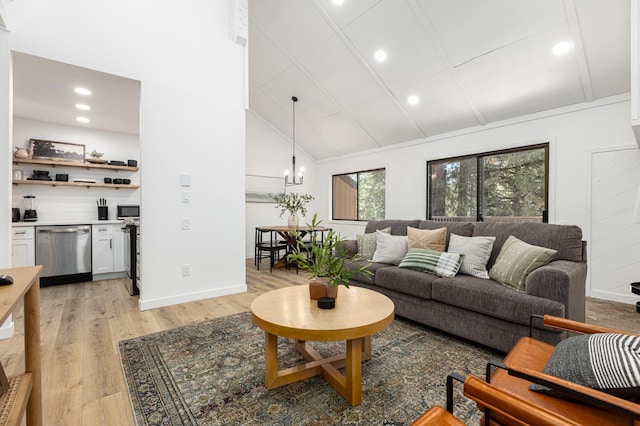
[(6, 331), (630, 299), (190, 297)]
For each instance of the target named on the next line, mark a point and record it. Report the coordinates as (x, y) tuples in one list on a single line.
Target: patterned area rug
[(212, 373)]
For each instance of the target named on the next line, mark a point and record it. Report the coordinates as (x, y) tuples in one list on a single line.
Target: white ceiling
[(43, 90), (470, 62)]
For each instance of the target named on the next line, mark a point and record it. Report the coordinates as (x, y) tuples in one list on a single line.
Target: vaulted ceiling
[(469, 62)]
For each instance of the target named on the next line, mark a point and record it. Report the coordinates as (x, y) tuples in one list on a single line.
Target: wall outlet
[(186, 223), (186, 270), (186, 197)]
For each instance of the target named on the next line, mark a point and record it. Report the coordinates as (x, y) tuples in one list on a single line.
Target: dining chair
[(267, 245)]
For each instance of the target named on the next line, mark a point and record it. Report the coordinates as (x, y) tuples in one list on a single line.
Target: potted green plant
[(325, 261), (293, 203)]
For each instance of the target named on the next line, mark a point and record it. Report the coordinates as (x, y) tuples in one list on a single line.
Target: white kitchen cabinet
[(102, 249), (118, 249), (107, 247), (23, 249)]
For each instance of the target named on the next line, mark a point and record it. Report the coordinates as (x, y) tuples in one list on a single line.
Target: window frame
[(479, 184), (333, 203)]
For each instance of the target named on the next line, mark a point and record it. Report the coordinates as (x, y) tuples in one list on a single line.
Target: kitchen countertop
[(67, 222)]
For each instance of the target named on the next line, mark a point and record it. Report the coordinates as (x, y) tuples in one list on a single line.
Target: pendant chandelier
[(300, 175)]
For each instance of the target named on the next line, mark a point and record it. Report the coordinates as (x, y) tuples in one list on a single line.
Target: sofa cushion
[(406, 281), (367, 243), (517, 260), (390, 248), (434, 239), (460, 228), (436, 262), (492, 299), (566, 239), (609, 362), (476, 251), (398, 227), (372, 267)]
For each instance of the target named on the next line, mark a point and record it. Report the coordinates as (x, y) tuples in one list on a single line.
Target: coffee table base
[(349, 385)]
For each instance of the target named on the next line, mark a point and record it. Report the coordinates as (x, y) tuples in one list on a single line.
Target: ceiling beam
[(578, 48)]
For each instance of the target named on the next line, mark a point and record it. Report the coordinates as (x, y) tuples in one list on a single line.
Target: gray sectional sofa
[(481, 310)]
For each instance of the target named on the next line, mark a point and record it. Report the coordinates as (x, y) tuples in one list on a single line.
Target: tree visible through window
[(494, 186), (359, 195)]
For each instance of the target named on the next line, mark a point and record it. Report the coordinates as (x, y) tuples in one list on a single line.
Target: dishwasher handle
[(64, 231)]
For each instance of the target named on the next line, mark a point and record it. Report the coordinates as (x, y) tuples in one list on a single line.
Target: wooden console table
[(25, 392)]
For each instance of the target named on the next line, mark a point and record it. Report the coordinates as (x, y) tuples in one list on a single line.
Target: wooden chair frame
[(526, 360)]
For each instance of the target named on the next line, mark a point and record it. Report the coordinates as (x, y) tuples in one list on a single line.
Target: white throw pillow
[(476, 251), (390, 248)]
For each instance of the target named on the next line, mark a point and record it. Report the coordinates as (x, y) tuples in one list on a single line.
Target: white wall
[(572, 133), (192, 121), (71, 203), (269, 154)]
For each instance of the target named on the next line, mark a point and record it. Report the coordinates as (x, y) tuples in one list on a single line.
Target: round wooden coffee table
[(289, 312)]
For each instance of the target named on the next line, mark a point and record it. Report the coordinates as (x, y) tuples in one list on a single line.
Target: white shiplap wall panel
[(614, 258)]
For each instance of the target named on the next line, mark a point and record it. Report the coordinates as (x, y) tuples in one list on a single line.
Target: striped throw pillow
[(517, 260), (609, 362), (426, 260), (476, 251)]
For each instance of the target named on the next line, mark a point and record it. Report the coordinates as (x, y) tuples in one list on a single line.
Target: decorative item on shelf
[(57, 151), (23, 153), (293, 203), (325, 258), (293, 158), (96, 157)]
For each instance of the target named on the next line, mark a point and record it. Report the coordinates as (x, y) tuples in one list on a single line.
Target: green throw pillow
[(517, 260), (367, 243), (426, 260)]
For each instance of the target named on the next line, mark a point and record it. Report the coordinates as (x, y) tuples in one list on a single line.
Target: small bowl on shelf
[(126, 181), (117, 181), (107, 180)]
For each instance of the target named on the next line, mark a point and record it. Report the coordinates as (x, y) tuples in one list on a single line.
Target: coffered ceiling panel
[(536, 80), (469, 29), (392, 26), (606, 56), (442, 106)]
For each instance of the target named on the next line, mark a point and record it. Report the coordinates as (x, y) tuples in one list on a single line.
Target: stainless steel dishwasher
[(64, 251)]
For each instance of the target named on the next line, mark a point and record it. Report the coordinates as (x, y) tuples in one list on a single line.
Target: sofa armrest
[(563, 281), (350, 247)]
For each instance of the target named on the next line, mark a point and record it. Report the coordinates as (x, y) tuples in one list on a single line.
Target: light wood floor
[(82, 323)]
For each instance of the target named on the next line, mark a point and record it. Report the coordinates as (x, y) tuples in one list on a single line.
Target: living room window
[(359, 195), (508, 185)]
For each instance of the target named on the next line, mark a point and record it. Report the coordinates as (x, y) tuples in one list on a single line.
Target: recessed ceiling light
[(83, 107), (82, 91), (82, 119), (380, 55), (413, 100), (561, 48), (338, 2)]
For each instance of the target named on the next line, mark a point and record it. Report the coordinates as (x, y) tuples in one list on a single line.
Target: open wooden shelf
[(75, 164), (76, 184)]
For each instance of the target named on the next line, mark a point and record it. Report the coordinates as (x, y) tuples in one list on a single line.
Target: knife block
[(103, 212)]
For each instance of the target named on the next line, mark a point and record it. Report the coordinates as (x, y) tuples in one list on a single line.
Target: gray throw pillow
[(517, 260), (390, 248), (367, 243), (476, 252), (608, 362)]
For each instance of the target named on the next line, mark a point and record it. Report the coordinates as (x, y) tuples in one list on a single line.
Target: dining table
[(290, 234)]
